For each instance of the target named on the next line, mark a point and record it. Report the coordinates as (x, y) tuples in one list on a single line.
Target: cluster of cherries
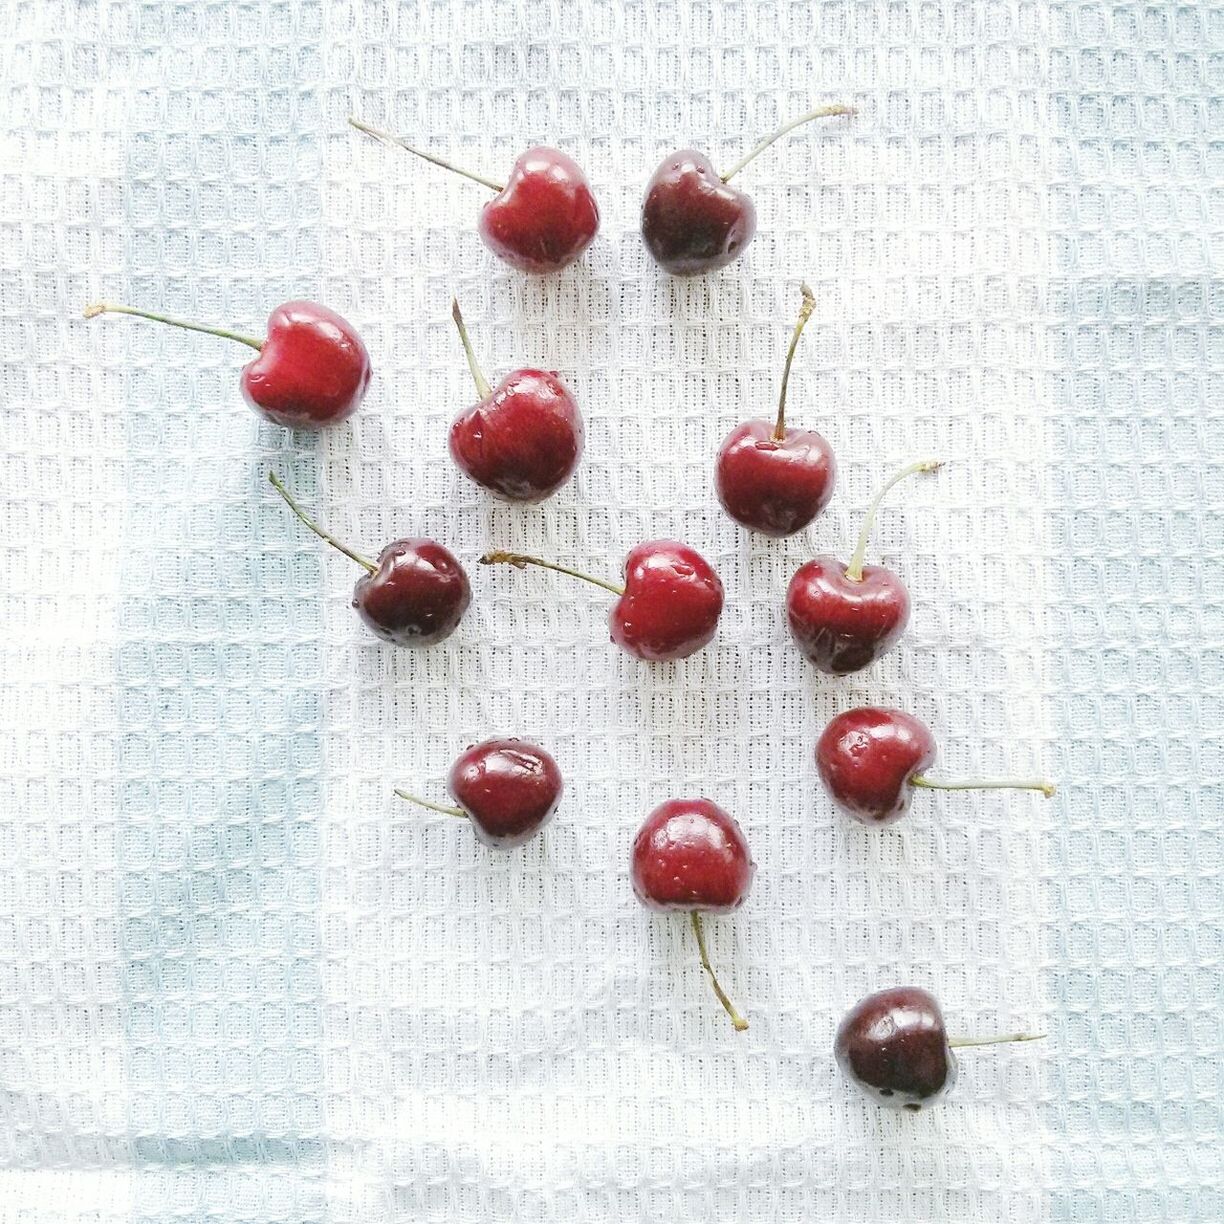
[(522, 441)]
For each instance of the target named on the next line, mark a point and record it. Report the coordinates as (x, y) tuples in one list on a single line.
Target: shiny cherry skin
[(416, 596), (866, 759), (508, 788), (671, 603), (693, 222), (544, 217), (523, 441), (843, 625), (691, 855), (894, 1046)]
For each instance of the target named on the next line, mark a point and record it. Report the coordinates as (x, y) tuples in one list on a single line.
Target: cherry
[(870, 759), (541, 219), (668, 607), (312, 370), (692, 221), (846, 617), (416, 593), (893, 1045), (770, 478), (508, 788), (691, 855), (523, 440)]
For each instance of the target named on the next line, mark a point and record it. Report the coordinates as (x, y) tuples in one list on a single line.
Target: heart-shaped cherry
[(844, 617), (692, 221), (541, 219), (523, 439), (414, 595), (312, 370), (870, 760), (770, 478), (894, 1046), (691, 855), (668, 607), (508, 789)]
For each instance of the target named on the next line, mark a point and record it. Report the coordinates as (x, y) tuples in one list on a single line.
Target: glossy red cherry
[(668, 607), (541, 219), (893, 1045), (414, 595), (312, 370), (508, 789), (771, 478), (871, 759), (691, 855), (844, 617), (692, 221), (524, 438)]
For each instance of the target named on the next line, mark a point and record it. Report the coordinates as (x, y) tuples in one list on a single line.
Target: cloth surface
[(240, 981)]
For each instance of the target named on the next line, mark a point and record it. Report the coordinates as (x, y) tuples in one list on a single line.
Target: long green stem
[(433, 807), (482, 384), (736, 1019), (519, 561), (821, 112), (1033, 784), (274, 481), (854, 571), (805, 313), (392, 139), (959, 1042), (110, 308)]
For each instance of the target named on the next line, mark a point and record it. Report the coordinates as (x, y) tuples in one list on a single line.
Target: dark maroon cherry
[(691, 855), (668, 607), (845, 617), (692, 220), (312, 370), (523, 439), (414, 595), (770, 478), (508, 789), (541, 219), (893, 1045), (870, 760)]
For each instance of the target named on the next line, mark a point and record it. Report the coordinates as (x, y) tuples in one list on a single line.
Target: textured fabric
[(240, 981)]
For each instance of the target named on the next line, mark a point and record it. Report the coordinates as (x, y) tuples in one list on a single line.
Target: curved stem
[(821, 112), (433, 807), (1033, 784), (854, 571), (274, 481), (519, 561), (959, 1042), (98, 308), (805, 313), (736, 1019), (391, 139), (482, 386)]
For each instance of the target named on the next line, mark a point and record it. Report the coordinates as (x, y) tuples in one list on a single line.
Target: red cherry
[(691, 855), (312, 370), (770, 478), (870, 759), (668, 607), (508, 789), (523, 440), (541, 219), (692, 221), (416, 593), (845, 617)]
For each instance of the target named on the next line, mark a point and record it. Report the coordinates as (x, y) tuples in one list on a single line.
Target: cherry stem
[(1033, 784), (805, 313), (433, 807), (737, 1020), (482, 385), (274, 481), (391, 139), (98, 308), (854, 571), (519, 561), (959, 1042), (821, 112)]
